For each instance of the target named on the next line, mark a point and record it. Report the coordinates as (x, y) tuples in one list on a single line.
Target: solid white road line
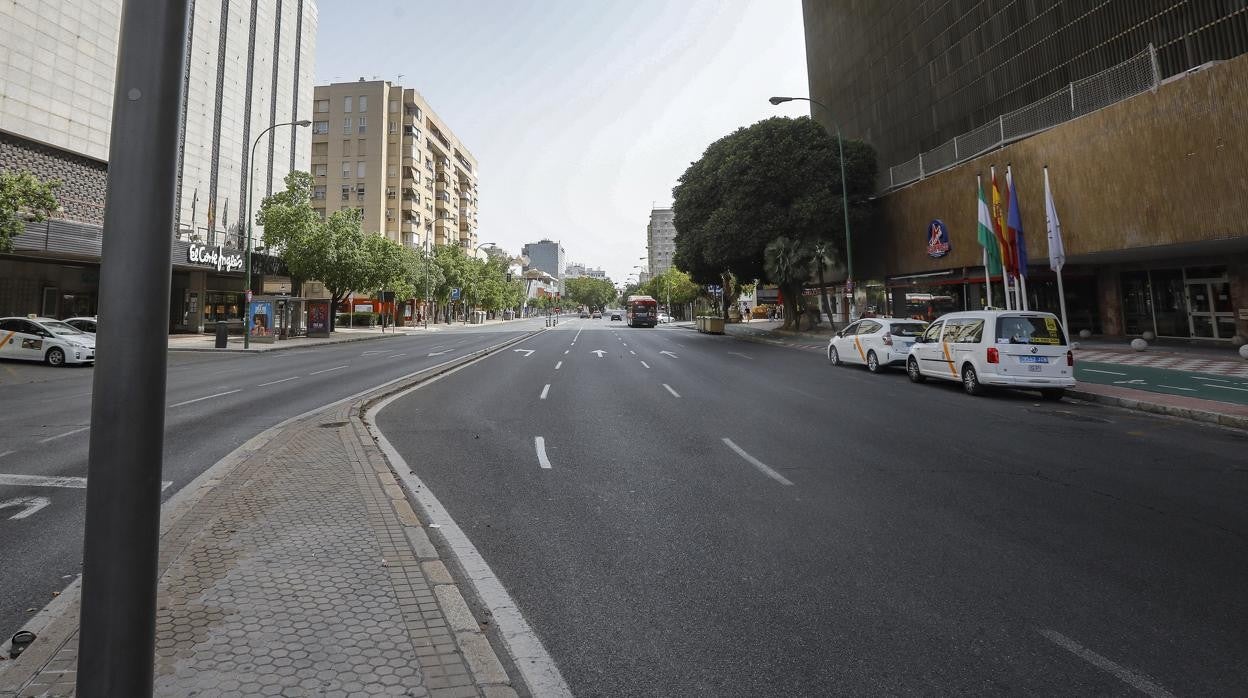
[(1175, 387), (206, 397), (2, 455), (64, 482), (1132, 679), (643, 363), (61, 436), (544, 391), (757, 463), (1225, 387), (327, 370), (283, 380), (558, 365), (395, 356), (1096, 370), (540, 444), (669, 389)]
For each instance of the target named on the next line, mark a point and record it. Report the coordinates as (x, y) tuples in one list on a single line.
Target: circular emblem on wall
[(937, 239)]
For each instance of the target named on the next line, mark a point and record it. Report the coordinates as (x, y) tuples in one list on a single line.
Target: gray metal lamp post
[(849, 257), (247, 248)]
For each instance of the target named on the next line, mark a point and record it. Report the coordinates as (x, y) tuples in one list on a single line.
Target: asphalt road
[(216, 402), (859, 535)]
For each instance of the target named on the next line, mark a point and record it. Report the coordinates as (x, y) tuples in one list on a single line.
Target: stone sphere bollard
[(1074, 345), (1085, 334), (1139, 344), (1238, 340), (1148, 335), (1243, 351)]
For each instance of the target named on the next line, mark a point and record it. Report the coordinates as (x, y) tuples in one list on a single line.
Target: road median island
[(308, 504)]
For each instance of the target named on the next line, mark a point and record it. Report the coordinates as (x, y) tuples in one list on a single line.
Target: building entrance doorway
[(1209, 310)]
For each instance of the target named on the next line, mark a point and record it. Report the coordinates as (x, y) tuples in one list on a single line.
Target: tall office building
[(249, 65), (1135, 108), (661, 240), (380, 148), (546, 255)]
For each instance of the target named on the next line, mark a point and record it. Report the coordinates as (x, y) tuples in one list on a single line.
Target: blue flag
[(1014, 222)]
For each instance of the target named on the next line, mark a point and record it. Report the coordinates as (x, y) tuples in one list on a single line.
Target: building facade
[(1148, 188), (660, 240), (547, 256), (380, 148), (577, 270), (248, 66)]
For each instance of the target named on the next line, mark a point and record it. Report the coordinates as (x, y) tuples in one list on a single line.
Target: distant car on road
[(1007, 348), (874, 342), (664, 317), (85, 324), (597, 315), (45, 339), (615, 315)]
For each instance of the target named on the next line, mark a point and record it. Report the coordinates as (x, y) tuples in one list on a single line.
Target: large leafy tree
[(589, 292), (673, 288), (778, 177), (23, 198)]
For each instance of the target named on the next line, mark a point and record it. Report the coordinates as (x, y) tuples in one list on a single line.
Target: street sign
[(454, 294)]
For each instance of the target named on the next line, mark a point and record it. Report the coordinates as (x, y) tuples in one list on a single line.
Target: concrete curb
[(282, 346), (57, 621), (1202, 416)]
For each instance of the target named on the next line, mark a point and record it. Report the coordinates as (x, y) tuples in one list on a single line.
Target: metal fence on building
[(1127, 79)]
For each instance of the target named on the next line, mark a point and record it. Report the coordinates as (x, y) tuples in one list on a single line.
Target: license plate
[(1033, 359), (1035, 368)]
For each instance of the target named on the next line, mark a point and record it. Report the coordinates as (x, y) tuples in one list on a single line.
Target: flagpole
[(1022, 273), (1050, 226), (979, 183), (1005, 263)]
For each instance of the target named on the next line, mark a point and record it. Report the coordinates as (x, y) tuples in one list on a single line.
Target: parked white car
[(85, 324), (874, 342), (1007, 348), (45, 339)]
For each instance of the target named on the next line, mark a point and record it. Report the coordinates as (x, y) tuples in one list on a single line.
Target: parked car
[(85, 324), (874, 342), (45, 339), (585, 314), (664, 317), (597, 315), (1007, 348)]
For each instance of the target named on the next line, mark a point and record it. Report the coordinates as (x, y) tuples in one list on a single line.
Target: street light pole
[(251, 168), (840, 147)]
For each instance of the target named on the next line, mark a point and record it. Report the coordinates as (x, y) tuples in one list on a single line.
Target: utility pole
[(117, 638)]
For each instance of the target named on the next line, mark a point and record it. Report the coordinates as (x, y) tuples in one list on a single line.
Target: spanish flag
[(998, 227)]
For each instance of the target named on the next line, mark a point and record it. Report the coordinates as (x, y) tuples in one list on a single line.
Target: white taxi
[(45, 339), (874, 342), (1006, 348)]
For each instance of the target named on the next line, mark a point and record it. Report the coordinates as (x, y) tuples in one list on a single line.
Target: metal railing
[(1133, 76)]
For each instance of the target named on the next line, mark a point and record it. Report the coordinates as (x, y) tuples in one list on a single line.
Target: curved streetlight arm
[(840, 147)]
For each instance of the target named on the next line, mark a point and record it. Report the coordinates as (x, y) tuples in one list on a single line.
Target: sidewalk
[(1192, 381), (207, 342), (295, 566)]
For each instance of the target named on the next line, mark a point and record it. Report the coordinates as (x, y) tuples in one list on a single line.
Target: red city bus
[(642, 311)]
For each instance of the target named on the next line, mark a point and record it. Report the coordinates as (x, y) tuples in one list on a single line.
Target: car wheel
[(1053, 394), (55, 356), (912, 370), (873, 362), (970, 381), (834, 357)]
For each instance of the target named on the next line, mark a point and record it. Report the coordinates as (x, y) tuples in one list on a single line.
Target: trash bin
[(223, 335)]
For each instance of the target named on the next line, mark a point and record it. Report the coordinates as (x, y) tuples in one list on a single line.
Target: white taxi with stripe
[(1006, 348), (874, 342), (45, 339)]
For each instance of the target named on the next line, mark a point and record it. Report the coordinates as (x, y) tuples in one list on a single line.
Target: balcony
[(409, 205)]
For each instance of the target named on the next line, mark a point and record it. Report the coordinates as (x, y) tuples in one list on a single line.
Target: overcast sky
[(581, 113)]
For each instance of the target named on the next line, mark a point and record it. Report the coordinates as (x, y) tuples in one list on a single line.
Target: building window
[(394, 127), (359, 193), (320, 149), (318, 192), (389, 214), (392, 171), (359, 169), (319, 170), (346, 170), (320, 127), (363, 104), (363, 124), (391, 192), (346, 192), (394, 106), (322, 105), (346, 125), (361, 148), (346, 105)]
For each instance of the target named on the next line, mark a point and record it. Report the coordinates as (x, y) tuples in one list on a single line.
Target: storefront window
[(223, 306)]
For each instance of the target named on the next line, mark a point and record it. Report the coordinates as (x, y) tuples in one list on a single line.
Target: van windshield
[(1017, 329)]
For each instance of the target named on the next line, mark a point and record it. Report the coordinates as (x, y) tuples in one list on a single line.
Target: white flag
[(1057, 253)]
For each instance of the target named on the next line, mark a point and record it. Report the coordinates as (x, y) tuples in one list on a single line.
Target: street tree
[(788, 263), (334, 254), (23, 198), (589, 292), (289, 223), (778, 177), (673, 288)]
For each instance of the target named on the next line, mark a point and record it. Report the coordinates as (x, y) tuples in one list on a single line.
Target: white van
[(1007, 348)]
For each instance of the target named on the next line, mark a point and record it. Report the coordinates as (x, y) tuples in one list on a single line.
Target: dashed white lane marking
[(2, 455), (27, 505), (1097, 370), (578, 335), (643, 363), (669, 389), (557, 365), (395, 356), (544, 391), (757, 463), (1225, 387), (632, 352), (283, 380), (327, 370), (64, 481), (206, 397), (61, 436), (1175, 387), (565, 351), (540, 444), (1132, 679)]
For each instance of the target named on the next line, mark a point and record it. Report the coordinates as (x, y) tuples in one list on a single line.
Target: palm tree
[(822, 251), (788, 264)]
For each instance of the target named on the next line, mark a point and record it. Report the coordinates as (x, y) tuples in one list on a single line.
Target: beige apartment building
[(378, 147)]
